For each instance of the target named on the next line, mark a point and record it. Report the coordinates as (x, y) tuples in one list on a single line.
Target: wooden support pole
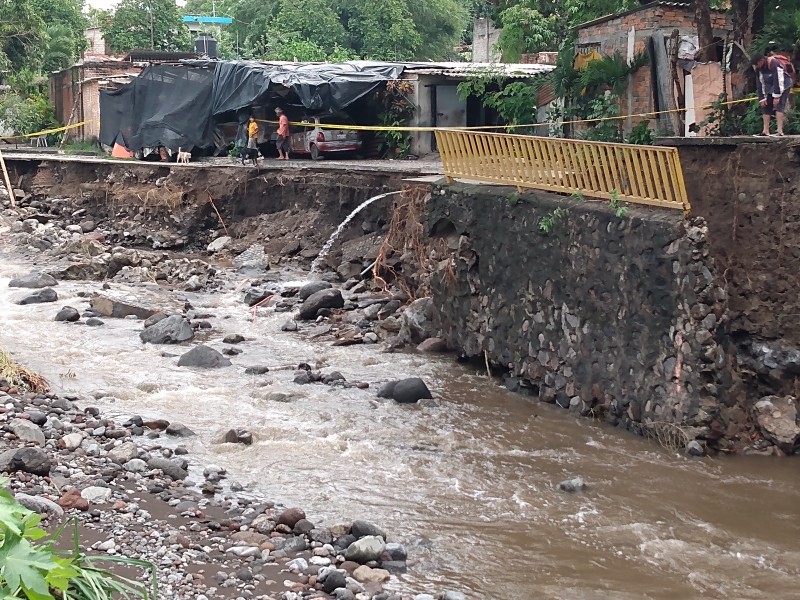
[(7, 180)]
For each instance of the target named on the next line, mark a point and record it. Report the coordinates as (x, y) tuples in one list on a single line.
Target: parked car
[(319, 140)]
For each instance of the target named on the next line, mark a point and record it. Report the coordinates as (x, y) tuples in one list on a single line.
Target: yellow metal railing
[(638, 174)]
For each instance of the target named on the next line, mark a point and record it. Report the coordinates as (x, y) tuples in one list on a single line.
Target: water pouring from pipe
[(329, 244)]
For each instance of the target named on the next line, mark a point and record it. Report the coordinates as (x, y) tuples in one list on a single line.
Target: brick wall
[(612, 36), (86, 79)]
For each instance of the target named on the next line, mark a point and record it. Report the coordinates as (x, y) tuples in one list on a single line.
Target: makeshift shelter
[(178, 105)]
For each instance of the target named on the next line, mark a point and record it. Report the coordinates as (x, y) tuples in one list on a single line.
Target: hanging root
[(671, 436), (407, 256), (21, 377)]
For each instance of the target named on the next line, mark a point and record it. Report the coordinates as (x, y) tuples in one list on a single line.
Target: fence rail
[(649, 175)]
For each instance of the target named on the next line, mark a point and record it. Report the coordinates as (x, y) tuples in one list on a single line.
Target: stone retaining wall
[(613, 317)]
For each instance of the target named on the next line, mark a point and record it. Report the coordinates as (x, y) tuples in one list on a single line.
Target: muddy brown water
[(469, 486)]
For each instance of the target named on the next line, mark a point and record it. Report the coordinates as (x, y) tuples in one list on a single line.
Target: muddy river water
[(469, 485)]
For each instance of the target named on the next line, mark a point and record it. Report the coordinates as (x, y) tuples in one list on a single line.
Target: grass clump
[(21, 377)]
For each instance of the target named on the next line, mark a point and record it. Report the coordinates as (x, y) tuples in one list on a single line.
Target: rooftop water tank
[(206, 45)]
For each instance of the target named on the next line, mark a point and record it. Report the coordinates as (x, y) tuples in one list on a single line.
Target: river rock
[(96, 495), (68, 314), (28, 460), (573, 485), (345, 594), (238, 436), (416, 322), (71, 441), (119, 309), (135, 465), (156, 318), (179, 430), (327, 298), (290, 325), (73, 499), (296, 543), (777, 418), (408, 391), (695, 448), (334, 580), (170, 468), (33, 281), (233, 339), (312, 288), (172, 330), (291, 516), (450, 595), (433, 345), (123, 453), (364, 574), (27, 431), (366, 549), (256, 370), (220, 243), (203, 357), (387, 389), (94, 322), (394, 552), (362, 529), (40, 505), (40, 297)]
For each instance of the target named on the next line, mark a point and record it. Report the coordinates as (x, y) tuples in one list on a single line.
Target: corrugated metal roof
[(461, 69)]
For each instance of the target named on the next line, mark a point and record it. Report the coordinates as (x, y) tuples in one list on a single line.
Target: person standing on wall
[(282, 142), (774, 84)]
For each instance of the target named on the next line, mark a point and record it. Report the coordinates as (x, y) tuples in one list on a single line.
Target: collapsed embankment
[(290, 212)]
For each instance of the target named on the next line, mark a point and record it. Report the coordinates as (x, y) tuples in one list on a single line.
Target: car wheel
[(314, 152)]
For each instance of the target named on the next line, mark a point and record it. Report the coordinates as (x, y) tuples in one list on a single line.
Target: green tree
[(383, 30), (61, 48), (311, 20), (21, 35), (147, 24), (440, 24)]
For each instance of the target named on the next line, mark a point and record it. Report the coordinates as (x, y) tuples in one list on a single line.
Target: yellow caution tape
[(45, 131), (505, 127)]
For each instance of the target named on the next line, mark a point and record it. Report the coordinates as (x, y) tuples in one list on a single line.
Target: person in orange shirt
[(282, 142)]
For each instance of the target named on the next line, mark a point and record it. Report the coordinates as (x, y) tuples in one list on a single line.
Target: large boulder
[(40, 297), (28, 460), (203, 357), (312, 288), (408, 391), (33, 281), (329, 298), (417, 321), (68, 314), (40, 505), (170, 468), (366, 549), (362, 529), (777, 418), (27, 431), (172, 330), (111, 307)]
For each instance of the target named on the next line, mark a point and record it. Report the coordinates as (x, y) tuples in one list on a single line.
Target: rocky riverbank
[(132, 497), (127, 482)]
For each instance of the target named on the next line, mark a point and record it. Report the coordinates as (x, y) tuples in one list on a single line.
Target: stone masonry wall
[(619, 318)]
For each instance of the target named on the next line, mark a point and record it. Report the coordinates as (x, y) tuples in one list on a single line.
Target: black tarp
[(177, 105)]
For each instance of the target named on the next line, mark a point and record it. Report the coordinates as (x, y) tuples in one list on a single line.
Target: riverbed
[(469, 485)]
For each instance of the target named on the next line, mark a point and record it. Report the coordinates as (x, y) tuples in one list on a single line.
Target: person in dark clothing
[(774, 84)]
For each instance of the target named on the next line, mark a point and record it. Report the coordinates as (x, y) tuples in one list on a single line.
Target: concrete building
[(439, 105), (649, 28), (484, 41)]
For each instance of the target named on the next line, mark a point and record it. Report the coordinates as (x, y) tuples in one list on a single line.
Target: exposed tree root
[(21, 377)]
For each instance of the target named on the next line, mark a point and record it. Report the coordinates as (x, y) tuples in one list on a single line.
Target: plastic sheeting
[(177, 105)]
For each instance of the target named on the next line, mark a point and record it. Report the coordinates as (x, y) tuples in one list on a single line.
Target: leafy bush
[(26, 115), (641, 134), (30, 566)]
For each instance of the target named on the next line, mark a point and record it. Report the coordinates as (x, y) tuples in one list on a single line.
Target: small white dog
[(184, 157)]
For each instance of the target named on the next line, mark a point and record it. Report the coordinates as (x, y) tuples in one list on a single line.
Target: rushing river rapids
[(470, 485)]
